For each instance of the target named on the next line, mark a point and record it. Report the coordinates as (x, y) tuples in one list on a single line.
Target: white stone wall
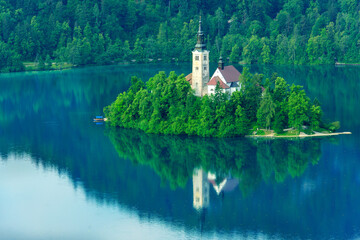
[(200, 72)]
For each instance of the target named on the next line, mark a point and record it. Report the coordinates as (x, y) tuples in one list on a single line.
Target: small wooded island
[(227, 105)]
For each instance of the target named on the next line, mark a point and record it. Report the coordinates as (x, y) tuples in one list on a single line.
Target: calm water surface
[(64, 177)]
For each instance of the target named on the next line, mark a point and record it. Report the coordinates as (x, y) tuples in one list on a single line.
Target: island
[(228, 104)]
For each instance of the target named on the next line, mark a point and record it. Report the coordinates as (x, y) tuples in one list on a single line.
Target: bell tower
[(200, 65)]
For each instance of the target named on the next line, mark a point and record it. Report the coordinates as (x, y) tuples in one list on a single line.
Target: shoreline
[(30, 66), (301, 135)]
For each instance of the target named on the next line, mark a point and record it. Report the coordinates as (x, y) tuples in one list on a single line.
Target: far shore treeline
[(167, 105), (53, 34)]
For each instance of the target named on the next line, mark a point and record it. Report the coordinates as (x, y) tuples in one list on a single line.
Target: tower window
[(204, 68), (197, 58), (205, 58), (197, 199), (196, 68)]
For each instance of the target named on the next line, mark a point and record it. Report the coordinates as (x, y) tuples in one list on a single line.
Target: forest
[(81, 32), (167, 105)]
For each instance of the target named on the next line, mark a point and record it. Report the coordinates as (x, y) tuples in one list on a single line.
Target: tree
[(235, 54), (281, 117), (48, 62), (252, 51), (126, 50), (281, 90), (265, 54), (10, 60), (315, 116), (241, 122), (138, 51), (298, 104), (266, 111), (41, 64), (313, 49)]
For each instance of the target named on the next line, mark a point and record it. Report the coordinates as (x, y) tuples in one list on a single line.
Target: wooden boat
[(99, 119)]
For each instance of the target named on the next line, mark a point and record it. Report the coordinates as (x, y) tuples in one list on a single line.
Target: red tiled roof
[(215, 80), (230, 73), (189, 78)]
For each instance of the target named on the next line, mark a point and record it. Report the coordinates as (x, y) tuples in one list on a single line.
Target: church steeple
[(221, 63), (200, 65), (200, 45)]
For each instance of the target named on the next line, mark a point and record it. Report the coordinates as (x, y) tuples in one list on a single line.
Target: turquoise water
[(64, 177)]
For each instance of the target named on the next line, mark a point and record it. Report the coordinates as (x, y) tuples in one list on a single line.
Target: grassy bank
[(34, 66), (292, 133)]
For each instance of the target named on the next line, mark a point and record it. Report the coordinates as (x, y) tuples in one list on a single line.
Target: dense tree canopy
[(100, 32), (167, 105)]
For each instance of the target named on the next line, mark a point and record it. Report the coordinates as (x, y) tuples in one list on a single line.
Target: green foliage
[(10, 60), (334, 126), (167, 105), (298, 104), (281, 117), (41, 64), (260, 132), (252, 51), (235, 54), (266, 111), (106, 32)]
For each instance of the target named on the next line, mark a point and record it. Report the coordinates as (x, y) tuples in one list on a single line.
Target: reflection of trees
[(174, 158), (24, 96)]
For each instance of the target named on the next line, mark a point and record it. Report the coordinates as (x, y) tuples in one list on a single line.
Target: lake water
[(64, 177)]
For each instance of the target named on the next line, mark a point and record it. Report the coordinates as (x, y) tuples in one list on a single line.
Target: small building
[(226, 76)]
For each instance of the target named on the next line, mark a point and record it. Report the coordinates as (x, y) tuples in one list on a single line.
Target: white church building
[(227, 77)]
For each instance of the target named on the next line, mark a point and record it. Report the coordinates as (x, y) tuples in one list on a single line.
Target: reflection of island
[(174, 158)]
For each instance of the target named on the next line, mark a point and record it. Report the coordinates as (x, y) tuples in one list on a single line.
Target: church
[(226, 76)]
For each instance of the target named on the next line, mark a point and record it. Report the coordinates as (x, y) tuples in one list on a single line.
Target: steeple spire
[(221, 63), (200, 24), (200, 45)]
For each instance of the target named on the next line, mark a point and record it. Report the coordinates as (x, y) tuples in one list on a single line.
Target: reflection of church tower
[(200, 65), (200, 189)]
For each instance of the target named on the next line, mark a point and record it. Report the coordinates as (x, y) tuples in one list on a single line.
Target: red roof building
[(227, 76), (215, 80), (189, 78)]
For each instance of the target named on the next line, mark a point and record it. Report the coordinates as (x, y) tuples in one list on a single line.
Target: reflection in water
[(227, 184), (221, 161), (200, 189), (201, 180)]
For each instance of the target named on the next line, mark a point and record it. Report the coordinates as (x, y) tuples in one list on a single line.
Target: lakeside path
[(301, 135)]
